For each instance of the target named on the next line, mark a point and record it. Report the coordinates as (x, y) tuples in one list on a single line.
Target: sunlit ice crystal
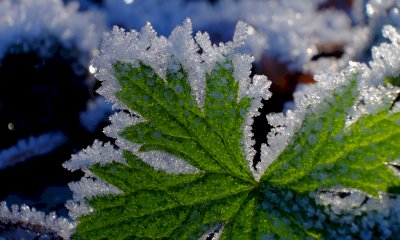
[(162, 54), (385, 61)]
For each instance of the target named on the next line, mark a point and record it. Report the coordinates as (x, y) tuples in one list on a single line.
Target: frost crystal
[(385, 61), (258, 90), (77, 209), (97, 153), (290, 31), (183, 51), (197, 57), (163, 55), (159, 160), (355, 213), (39, 222), (88, 187), (373, 96)]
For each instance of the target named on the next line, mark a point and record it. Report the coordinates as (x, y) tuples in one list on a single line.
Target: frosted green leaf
[(325, 153), (156, 204), (178, 126)]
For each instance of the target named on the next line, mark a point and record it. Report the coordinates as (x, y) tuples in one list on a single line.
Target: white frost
[(99, 152), (359, 214), (385, 57), (289, 31), (29, 218), (88, 187)]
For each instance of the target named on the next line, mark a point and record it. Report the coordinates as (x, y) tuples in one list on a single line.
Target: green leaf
[(174, 206), (285, 214), (277, 213), (325, 154), (177, 125), (395, 81), (156, 204)]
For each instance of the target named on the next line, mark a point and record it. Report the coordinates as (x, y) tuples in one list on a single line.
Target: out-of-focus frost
[(31, 147), (38, 22), (290, 31)]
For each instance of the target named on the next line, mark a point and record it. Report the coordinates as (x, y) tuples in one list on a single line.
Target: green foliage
[(323, 154), (178, 126), (395, 81)]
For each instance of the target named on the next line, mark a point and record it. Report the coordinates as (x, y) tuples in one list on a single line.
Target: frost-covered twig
[(28, 218)]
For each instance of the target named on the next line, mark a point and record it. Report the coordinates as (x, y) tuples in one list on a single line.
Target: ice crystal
[(385, 61), (372, 98), (296, 189), (163, 55), (159, 160), (88, 187), (290, 31), (77, 208), (29, 218), (361, 215), (97, 153)]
